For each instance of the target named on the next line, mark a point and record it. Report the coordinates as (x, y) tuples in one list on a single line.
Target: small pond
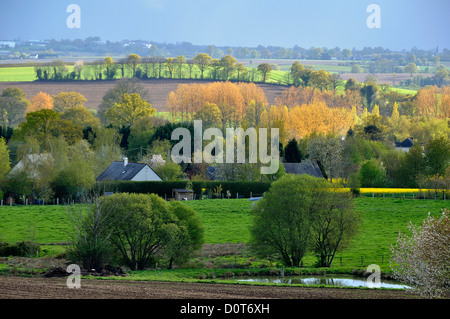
[(329, 280)]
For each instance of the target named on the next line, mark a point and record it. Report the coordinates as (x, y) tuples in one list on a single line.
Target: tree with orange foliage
[(187, 100), (296, 96), (426, 102), (227, 93), (351, 99), (40, 101), (251, 93), (233, 100)]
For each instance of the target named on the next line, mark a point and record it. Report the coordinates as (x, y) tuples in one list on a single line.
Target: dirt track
[(95, 90), (12, 287)]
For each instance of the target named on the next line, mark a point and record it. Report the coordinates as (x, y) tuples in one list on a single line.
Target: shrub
[(184, 237), (20, 249), (147, 227), (28, 249), (371, 174)]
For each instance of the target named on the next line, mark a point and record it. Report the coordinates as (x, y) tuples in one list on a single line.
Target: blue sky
[(316, 23)]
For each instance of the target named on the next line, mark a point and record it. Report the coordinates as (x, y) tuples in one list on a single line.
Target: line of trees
[(202, 66)]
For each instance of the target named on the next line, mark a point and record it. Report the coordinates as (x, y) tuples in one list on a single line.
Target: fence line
[(440, 195)]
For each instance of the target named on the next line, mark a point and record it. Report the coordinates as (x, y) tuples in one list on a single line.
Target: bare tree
[(91, 227), (327, 150)]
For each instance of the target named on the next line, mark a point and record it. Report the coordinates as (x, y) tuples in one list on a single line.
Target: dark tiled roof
[(310, 168), (182, 190), (117, 172), (409, 142), (211, 172)]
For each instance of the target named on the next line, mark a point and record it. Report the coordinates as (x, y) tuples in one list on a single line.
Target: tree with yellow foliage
[(318, 118), (202, 61), (210, 114), (129, 109), (376, 110), (67, 100), (395, 114)]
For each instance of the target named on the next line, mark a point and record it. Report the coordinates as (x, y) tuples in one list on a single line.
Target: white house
[(32, 163), (126, 171)]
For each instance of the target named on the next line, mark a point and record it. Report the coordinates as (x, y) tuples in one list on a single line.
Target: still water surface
[(330, 280)]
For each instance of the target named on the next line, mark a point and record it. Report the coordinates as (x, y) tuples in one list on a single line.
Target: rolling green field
[(17, 74), (228, 221), (405, 91)]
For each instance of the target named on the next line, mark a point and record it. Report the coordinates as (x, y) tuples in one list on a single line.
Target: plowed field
[(12, 287), (95, 90)]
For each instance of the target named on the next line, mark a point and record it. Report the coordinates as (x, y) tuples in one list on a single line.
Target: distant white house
[(6, 43), (126, 171), (31, 164)]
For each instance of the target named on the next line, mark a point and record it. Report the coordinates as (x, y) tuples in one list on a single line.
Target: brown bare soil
[(12, 287), (95, 90)]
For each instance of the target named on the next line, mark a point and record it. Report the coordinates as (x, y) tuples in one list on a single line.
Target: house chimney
[(125, 161)]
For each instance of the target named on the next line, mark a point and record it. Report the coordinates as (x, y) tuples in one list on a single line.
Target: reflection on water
[(335, 280)]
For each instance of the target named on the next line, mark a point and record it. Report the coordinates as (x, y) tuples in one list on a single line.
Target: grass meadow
[(227, 221), (17, 74)]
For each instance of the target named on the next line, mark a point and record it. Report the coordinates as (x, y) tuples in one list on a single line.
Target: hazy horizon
[(248, 23)]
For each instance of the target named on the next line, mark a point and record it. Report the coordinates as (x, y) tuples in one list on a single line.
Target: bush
[(422, 259), (301, 213), (28, 249), (20, 249), (146, 227), (371, 174)]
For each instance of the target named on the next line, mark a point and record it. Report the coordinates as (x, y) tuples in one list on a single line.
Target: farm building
[(126, 171), (310, 168), (182, 194)]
